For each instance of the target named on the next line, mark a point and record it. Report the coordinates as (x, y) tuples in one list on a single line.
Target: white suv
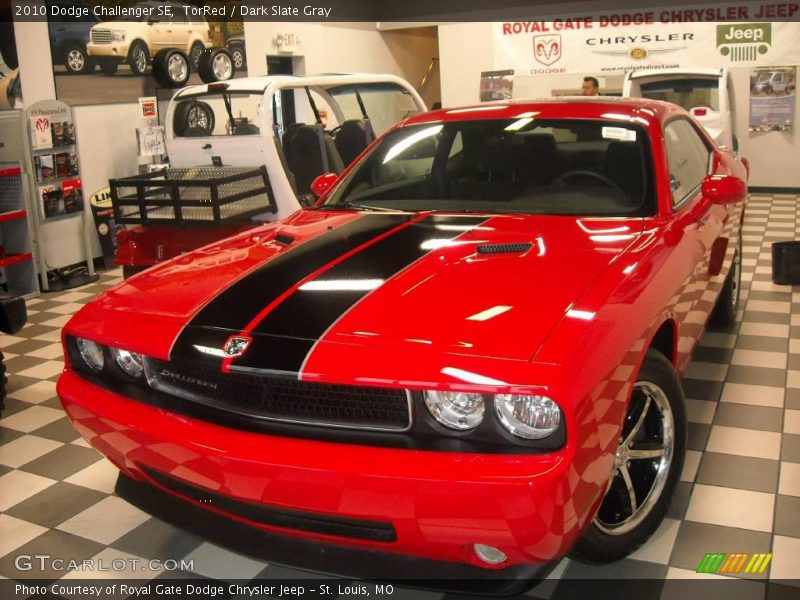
[(135, 41)]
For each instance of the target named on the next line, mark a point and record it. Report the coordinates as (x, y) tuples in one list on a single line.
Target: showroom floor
[(740, 490)]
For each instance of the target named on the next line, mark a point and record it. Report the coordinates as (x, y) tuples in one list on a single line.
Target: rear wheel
[(647, 466), (728, 302), (239, 57), (75, 59)]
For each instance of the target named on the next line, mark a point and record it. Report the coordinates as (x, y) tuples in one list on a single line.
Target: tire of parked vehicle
[(131, 270), (195, 116), (171, 68), (194, 54), (728, 302), (8, 46), (76, 60), (109, 67), (647, 466), (216, 64), (138, 58), (239, 57)]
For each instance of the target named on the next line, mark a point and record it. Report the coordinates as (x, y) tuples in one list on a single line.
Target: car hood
[(491, 286)]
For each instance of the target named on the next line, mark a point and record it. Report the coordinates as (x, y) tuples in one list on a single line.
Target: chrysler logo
[(235, 346)]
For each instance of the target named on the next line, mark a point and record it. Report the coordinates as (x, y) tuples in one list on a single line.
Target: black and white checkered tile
[(739, 492)]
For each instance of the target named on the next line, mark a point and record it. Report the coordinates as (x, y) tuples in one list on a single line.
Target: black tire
[(76, 61), (195, 52), (171, 68), (657, 399), (728, 302), (8, 45), (195, 116), (138, 58), (239, 57), (109, 66), (216, 64), (3, 383), (131, 270)]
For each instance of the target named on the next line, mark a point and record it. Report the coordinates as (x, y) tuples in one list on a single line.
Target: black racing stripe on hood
[(287, 334), (233, 309)]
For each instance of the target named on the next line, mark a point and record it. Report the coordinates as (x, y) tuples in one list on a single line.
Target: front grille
[(283, 399), (101, 36), (358, 529)]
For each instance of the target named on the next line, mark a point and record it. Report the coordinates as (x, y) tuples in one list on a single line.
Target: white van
[(707, 94)]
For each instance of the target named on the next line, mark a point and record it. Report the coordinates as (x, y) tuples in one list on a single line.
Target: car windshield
[(688, 93), (522, 165), (384, 103), (765, 77)]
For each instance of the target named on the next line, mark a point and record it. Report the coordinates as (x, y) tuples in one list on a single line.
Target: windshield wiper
[(353, 206)]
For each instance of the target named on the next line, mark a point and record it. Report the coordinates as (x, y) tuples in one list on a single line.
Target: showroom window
[(688, 158)]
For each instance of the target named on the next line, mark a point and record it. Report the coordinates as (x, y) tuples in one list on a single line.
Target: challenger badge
[(235, 346)]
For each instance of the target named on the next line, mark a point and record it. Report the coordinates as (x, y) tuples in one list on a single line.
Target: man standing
[(590, 87)]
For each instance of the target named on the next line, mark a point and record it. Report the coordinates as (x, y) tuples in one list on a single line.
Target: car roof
[(573, 107), (260, 84)]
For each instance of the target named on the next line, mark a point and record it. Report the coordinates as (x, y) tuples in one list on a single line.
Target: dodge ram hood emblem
[(235, 346)]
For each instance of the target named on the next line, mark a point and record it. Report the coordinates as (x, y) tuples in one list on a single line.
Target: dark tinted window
[(524, 165)]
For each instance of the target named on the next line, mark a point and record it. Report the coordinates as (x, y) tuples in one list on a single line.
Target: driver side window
[(688, 158)]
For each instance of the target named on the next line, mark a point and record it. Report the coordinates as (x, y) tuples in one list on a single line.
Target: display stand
[(17, 256), (55, 177)]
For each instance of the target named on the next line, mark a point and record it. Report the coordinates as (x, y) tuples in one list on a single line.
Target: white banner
[(652, 39)]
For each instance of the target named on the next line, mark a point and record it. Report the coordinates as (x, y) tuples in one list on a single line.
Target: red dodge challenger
[(461, 363)]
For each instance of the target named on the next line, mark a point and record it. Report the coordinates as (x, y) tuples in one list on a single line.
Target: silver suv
[(136, 39)]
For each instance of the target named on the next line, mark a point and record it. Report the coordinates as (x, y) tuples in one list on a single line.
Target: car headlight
[(131, 363), (456, 410), (527, 416), (118, 35), (91, 354)]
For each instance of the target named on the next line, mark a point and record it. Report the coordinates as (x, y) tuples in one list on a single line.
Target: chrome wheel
[(75, 60), (177, 68), (194, 55), (222, 67), (642, 463), (139, 60), (238, 57)]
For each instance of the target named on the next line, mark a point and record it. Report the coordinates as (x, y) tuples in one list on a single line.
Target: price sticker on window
[(619, 133)]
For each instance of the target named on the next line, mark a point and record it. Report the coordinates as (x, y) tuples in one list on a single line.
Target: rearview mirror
[(323, 183), (724, 189)]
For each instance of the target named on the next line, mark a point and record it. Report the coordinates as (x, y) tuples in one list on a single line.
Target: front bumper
[(117, 50), (438, 503)]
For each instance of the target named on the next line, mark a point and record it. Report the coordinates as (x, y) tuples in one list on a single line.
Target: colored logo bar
[(734, 564)]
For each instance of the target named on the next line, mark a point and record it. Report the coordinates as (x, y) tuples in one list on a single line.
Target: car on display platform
[(68, 39), (295, 127), (460, 364)]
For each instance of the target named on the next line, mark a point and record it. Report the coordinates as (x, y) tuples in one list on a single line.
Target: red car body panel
[(594, 294)]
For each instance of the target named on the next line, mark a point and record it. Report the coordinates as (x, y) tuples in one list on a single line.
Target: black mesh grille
[(504, 248), (284, 399)]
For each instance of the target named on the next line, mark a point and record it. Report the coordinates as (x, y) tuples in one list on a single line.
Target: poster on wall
[(109, 53), (496, 85), (772, 97), (651, 39)]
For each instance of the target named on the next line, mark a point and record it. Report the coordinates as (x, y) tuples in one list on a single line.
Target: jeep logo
[(744, 41)]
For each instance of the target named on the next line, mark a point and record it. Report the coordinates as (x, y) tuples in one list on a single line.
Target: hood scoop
[(509, 248)]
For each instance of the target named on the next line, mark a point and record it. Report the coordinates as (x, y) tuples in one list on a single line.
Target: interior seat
[(306, 160), (351, 140), (624, 167), (499, 163)]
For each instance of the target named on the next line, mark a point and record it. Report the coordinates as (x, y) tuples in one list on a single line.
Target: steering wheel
[(565, 177)]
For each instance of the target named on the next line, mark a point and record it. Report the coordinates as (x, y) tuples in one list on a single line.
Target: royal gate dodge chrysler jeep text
[(461, 363)]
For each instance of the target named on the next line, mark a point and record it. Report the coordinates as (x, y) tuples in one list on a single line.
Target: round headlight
[(529, 417), (456, 410), (130, 362), (91, 353)]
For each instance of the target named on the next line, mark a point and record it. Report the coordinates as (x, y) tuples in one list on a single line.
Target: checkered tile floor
[(740, 489)]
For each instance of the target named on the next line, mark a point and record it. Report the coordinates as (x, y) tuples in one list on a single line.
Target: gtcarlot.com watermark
[(46, 562)]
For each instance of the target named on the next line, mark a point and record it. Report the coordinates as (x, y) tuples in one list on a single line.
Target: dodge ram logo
[(235, 346), (547, 48)]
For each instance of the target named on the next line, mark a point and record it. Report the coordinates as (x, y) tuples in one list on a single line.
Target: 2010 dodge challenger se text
[(461, 363)]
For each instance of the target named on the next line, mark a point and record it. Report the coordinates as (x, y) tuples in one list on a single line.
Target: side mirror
[(323, 183), (724, 189)]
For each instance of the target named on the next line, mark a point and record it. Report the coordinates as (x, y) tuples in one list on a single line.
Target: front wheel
[(647, 466), (75, 59), (138, 58)]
